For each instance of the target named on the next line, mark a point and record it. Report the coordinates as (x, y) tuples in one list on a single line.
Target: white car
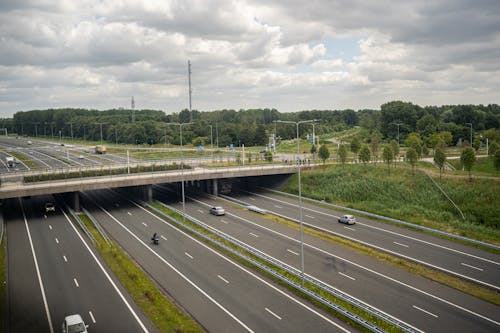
[(218, 211), (347, 219), (74, 324)]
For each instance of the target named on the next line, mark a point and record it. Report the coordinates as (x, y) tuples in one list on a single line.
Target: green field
[(409, 197)]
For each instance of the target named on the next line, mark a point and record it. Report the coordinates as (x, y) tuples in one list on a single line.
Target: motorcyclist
[(155, 238)]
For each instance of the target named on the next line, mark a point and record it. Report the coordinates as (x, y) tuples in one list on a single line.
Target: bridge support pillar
[(147, 193), (215, 190), (75, 200)]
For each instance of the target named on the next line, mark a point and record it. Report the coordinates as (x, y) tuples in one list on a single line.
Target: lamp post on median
[(182, 169), (297, 123), (211, 142)]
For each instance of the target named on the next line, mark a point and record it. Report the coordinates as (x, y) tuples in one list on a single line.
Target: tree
[(355, 146), (468, 158), (342, 154), (496, 160), (494, 147), (412, 157), (268, 156), (364, 154), (313, 149), (374, 140), (440, 159), (388, 156), (324, 153)]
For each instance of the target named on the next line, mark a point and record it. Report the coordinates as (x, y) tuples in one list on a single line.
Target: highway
[(53, 272), (417, 301), (467, 262), (222, 295)]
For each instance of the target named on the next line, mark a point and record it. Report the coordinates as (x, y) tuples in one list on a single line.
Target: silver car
[(74, 324), (218, 211), (347, 219)]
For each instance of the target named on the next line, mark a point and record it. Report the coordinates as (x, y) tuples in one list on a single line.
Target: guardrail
[(390, 219), (97, 226), (295, 272), (81, 224)]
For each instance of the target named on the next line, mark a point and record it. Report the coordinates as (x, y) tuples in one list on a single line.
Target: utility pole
[(189, 79), (36, 130)]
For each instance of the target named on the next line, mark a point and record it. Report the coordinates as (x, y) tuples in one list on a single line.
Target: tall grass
[(409, 197)]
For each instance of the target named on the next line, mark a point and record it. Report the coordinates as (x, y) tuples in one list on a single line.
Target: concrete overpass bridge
[(206, 178)]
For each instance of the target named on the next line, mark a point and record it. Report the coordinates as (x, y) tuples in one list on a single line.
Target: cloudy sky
[(286, 54)]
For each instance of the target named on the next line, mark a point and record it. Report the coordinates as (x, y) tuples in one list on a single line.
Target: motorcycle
[(155, 239)]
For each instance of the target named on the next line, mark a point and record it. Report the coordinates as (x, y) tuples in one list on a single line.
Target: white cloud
[(246, 53)]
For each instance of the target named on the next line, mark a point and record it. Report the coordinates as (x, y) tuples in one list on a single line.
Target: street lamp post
[(297, 123), (397, 124), (211, 142), (182, 169), (101, 129), (470, 124)]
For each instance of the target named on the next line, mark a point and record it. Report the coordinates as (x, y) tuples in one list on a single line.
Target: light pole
[(71, 130), (470, 133), (211, 142), (397, 124), (297, 123), (182, 170), (36, 130), (101, 129)]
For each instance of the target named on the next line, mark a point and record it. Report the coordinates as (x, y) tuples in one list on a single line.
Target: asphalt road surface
[(222, 295), (454, 258), (419, 302), (52, 273)]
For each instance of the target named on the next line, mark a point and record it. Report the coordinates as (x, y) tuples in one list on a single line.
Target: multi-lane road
[(421, 303), (53, 272)]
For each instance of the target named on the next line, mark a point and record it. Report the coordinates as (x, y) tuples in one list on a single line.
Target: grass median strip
[(414, 268), (164, 314), (213, 243)]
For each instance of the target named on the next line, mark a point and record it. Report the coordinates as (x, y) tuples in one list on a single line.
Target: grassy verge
[(164, 314), (380, 323), (3, 284), (434, 275)]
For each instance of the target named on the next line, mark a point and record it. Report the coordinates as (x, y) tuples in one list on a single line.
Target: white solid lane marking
[(144, 329), (220, 277), (200, 211), (309, 216), (274, 314), (92, 316), (40, 282), (400, 244), (252, 199), (349, 228), (474, 267), (293, 252), (76, 283), (65, 259), (57, 241), (278, 206), (50, 227), (188, 255), (347, 276), (171, 266), (254, 235), (425, 311), (296, 301), (129, 213), (165, 238), (144, 224), (223, 221)]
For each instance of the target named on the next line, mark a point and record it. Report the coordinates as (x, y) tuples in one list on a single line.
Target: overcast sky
[(288, 54)]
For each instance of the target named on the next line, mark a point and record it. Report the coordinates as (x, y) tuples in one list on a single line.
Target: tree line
[(395, 120)]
